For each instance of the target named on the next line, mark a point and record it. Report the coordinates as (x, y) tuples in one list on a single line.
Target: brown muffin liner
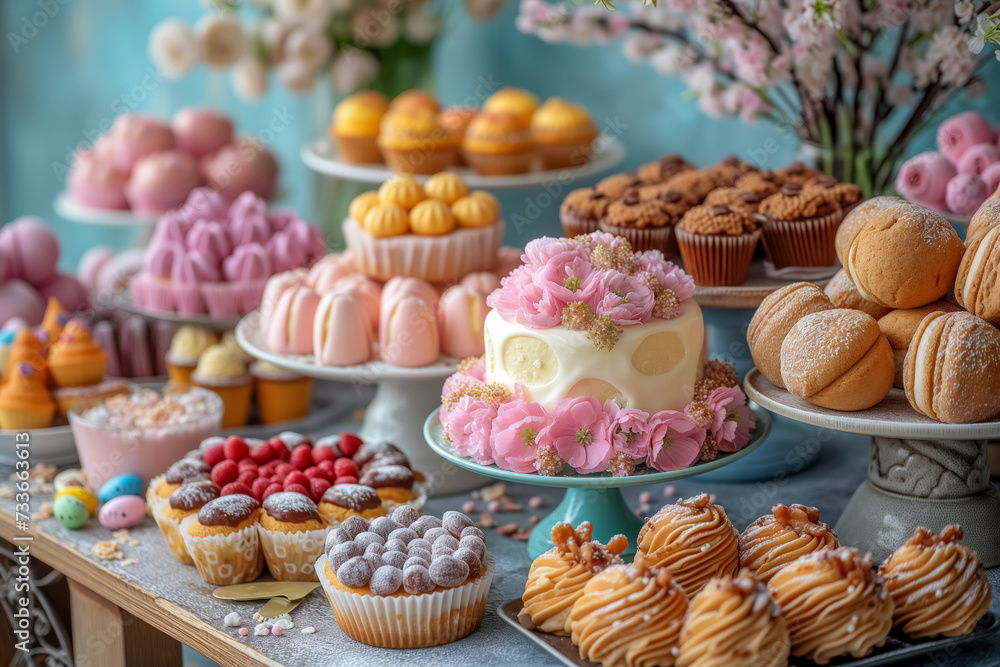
[(564, 155), (359, 150), (574, 225), (802, 242), (715, 260), (498, 164), (422, 160), (645, 238)]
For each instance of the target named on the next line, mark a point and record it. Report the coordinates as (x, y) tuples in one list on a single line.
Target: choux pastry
[(844, 294), (979, 274), (775, 317), (899, 326)]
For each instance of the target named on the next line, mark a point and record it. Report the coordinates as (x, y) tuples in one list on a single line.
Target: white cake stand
[(143, 223), (123, 301), (921, 472), (402, 400)]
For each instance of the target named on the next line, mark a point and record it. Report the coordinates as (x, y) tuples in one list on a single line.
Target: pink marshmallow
[(924, 178), (976, 158), (162, 181), (68, 290), (30, 249), (201, 132), (991, 176), (962, 131), (97, 182), (135, 136), (966, 193)]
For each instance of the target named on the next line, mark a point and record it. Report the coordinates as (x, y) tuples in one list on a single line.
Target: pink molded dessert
[(190, 271), (91, 265), (461, 315), (69, 291), (248, 220), (342, 334), (210, 239), (160, 258), (976, 158), (328, 271), (201, 132), (30, 249), (19, 299), (94, 181), (173, 227), (409, 333), (923, 179), (239, 167), (277, 285), (966, 193), (365, 289), (162, 181), (286, 250), (962, 131), (289, 329), (399, 287), (483, 281), (135, 136)]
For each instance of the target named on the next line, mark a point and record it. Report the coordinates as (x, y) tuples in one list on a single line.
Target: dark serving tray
[(897, 647)]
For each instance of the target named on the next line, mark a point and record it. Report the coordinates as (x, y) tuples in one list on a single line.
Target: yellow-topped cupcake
[(563, 132), (415, 100), (186, 347), (403, 191), (355, 126), (75, 360), (415, 142), (498, 143), (363, 204), (479, 209), (431, 217), (222, 370), (446, 186), (513, 100), (387, 220)]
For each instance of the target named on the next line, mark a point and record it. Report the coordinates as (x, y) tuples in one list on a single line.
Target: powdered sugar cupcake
[(292, 535), (223, 541), (186, 501)]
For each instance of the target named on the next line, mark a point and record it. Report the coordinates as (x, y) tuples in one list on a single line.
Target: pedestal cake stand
[(123, 301), (921, 472), (596, 498)]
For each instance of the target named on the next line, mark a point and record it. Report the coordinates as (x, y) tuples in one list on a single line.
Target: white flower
[(964, 11), (374, 25), (947, 53), (421, 27), (250, 78), (308, 44), (638, 46), (674, 58), (297, 76), (302, 11), (222, 40), (352, 70), (174, 48)]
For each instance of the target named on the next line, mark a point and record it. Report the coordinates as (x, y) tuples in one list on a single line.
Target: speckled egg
[(82, 494), (70, 512), (122, 512), (122, 485), (70, 477)]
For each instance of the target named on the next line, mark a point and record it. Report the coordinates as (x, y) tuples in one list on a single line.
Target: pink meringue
[(924, 177), (289, 329), (95, 181), (201, 132), (210, 239), (135, 136), (248, 262), (172, 227), (248, 220), (195, 267), (962, 131), (966, 193), (30, 248), (162, 181), (409, 333), (160, 258), (366, 290), (342, 334), (286, 251), (483, 281), (205, 204), (462, 314), (241, 167), (976, 158)]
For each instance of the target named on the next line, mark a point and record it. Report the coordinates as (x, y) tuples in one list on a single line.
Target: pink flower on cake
[(469, 423), (460, 381), (478, 370), (669, 274), (568, 276), (675, 441), (733, 420), (581, 433), (521, 300), (514, 439), (623, 297), (539, 252), (629, 430)]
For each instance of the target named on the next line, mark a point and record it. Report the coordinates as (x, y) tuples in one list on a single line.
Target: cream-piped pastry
[(409, 335), (938, 585), (288, 330), (461, 317), (558, 576), (734, 621), (341, 330), (629, 616), (775, 540), (835, 604), (693, 539)]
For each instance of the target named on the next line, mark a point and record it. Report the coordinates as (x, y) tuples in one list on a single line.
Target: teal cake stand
[(596, 498)]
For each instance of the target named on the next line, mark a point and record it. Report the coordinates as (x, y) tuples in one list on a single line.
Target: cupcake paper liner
[(221, 299), (160, 295), (250, 294), (292, 556), (171, 529), (138, 288), (283, 400), (564, 155), (717, 260), (409, 621), (574, 225), (222, 560), (645, 238), (359, 150), (802, 242), (153, 500), (424, 160), (188, 300), (498, 164)]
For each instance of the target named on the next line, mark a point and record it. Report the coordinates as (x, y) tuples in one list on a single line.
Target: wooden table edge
[(167, 617)]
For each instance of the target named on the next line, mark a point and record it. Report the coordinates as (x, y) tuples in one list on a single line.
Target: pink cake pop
[(991, 176), (461, 316), (19, 299), (201, 132), (97, 182), (162, 181), (341, 332), (210, 239), (924, 177), (91, 264), (240, 167), (31, 250), (68, 290), (136, 136), (966, 193), (962, 131), (976, 158), (410, 334)]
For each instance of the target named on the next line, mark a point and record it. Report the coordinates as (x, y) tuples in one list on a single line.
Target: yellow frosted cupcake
[(446, 186), (355, 126), (281, 395), (415, 100), (387, 220), (415, 142), (431, 217), (75, 360), (498, 143), (563, 132), (186, 347), (403, 191), (221, 370), (517, 101)]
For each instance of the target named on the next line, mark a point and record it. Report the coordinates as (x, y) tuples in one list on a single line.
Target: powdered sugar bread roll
[(775, 317), (858, 218), (987, 216), (979, 273), (838, 359), (904, 257), (844, 294), (953, 368), (899, 326)]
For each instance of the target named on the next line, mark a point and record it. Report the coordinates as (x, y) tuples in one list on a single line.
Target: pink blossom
[(581, 433), (539, 252), (469, 423), (478, 370), (629, 430), (514, 438), (460, 381), (567, 276), (670, 275), (520, 300), (675, 441), (733, 419), (623, 297)]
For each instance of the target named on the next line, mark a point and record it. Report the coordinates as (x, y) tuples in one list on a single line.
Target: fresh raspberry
[(235, 487), (327, 467), (247, 462), (346, 480), (302, 457), (284, 469), (345, 468), (225, 472), (247, 477), (270, 467), (297, 477), (262, 453), (320, 454), (297, 488), (349, 443), (317, 487), (279, 448), (258, 487), (236, 448), (213, 455), (313, 472), (271, 488)]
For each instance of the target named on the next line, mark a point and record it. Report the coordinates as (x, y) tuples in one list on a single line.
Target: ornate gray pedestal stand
[(921, 472)]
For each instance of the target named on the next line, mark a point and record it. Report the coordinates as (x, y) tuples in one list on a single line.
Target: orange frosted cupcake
[(581, 211), (222, 540), (498, 143), (517, 101), (281, 395), (355, 126), (55, 319), (563, 133), (75, 359), (717, 243), (25, 403), (413, 141), (26, 348), (292, 536), (186, 501), (221, 369), (646, 224)]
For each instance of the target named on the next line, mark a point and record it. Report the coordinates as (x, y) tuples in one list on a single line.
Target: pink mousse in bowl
[(142, 433)]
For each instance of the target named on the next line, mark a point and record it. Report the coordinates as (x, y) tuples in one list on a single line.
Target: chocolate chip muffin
[(676, 202), (797, 172), (618, 185), (729, 169), (717, 243), (663, 169), (647, 225), (747, 200), (765, 183), (582, 209), (696, 182), (801, 224)]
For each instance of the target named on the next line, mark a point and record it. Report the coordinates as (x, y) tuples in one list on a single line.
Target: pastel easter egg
[(69, 477), (70, 512), (82, 494), (122, 512), (122, 485)]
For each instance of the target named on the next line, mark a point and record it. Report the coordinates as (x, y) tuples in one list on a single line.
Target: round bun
[(775, 317), (978, 274), (858, 218), (986, 217), (844, 294), (899, 326), (953, 367), (838, 359), (905, 256)]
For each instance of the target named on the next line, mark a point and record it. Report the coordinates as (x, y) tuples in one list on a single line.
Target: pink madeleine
[(342, 335), (289, 329), (162, 181), (30, 249), (326, 272), (277, 285), (19, 299), (960, 132), (977, 158), (68, 290), (461, 314), (400, 287), (248, 262), (160, 257), (97, 182), (483, 281), (201, 132), (241, 167), (365, 289), (210, 239), (135, 136), (409, 334)]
